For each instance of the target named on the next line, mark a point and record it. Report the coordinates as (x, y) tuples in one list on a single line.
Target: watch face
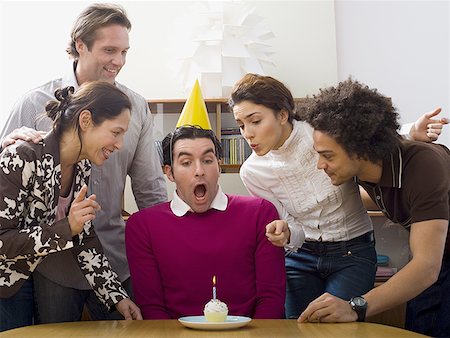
[(359, 301)]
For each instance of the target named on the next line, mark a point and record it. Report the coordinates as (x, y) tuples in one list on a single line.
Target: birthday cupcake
[(215, 311)]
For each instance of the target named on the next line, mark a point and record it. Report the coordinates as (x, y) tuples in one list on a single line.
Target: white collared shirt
[(180, 207)]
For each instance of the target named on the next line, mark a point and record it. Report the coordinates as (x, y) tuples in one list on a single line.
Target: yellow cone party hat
[(194, 111)]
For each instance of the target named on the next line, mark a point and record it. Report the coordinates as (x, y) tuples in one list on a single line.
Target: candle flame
[(214, 280)]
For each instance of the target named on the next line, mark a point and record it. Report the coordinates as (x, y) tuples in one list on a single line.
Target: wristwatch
[(359, 305)]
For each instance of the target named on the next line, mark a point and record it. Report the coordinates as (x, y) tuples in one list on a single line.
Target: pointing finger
[(433, 113), (82, 194)]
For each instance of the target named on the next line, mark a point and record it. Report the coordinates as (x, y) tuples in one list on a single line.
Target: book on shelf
[(234, 147), (384, 273)]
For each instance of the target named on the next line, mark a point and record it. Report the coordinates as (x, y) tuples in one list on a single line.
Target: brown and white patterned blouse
[(30, 182)]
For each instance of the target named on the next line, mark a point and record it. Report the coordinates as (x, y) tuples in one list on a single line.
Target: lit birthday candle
[(214, 287)]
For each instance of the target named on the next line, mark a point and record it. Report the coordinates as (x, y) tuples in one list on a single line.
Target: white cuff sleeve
[(297, 238), (405, 129)]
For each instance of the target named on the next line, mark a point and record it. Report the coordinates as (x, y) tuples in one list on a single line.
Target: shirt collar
[(180, 207), (392, 170), (69, 78)]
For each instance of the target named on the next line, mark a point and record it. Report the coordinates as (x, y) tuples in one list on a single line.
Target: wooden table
[(172, 328)]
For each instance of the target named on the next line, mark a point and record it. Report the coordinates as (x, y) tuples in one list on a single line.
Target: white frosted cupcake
[(215, 311)]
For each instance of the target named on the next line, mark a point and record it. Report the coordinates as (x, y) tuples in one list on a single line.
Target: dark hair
[(104, 100), (188, 132), (92, 18), (263, 90), (360, 119)]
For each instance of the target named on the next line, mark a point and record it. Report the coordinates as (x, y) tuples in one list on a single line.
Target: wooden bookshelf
[(230, 168)]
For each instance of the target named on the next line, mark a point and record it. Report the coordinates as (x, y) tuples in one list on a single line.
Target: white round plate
[(200, 323)]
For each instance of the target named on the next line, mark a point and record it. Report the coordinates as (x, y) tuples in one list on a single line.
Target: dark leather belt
[(330, 247)]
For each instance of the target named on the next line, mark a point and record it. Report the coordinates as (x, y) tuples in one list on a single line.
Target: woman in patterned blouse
[(43, 204)]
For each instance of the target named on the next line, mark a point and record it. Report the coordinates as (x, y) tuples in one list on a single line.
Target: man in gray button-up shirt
[(99, 43)]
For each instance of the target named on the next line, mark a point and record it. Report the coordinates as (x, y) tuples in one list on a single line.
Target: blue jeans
[(55, 303), (429, 312), (17, 311), (343, 269)]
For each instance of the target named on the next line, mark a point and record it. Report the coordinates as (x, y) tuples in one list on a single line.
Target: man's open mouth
[(200, 190)]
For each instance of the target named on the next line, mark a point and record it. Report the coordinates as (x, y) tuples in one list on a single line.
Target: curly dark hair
[(188, 132), (360, 119)]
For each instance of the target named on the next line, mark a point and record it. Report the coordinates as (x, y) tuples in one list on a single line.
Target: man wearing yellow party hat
[(211, 230)]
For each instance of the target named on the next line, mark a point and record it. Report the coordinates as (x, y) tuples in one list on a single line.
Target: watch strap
[(359, 309)]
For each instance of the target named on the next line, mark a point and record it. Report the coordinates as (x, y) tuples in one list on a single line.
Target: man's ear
[(220, 165), (80, 46), (85, 119), (168, 172)]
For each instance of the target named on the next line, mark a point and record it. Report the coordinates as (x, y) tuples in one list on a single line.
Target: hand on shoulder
[(25, 134)]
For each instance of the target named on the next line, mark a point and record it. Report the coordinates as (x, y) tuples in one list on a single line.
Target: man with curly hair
[(356, 136)]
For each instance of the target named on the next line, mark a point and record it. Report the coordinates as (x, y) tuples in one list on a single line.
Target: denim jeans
[(55, 303), (429, 312), (343, 269), (17, 310)]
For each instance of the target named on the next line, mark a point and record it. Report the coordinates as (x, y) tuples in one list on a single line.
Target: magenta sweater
[(172, 260)]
